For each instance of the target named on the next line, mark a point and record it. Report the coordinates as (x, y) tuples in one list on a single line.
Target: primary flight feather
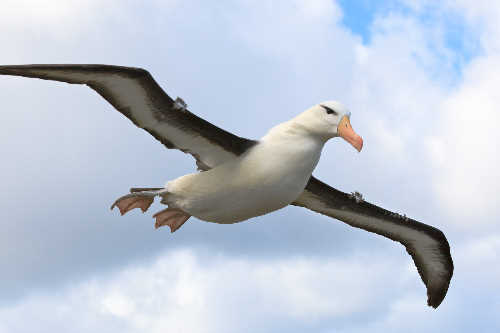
[(244, 178)]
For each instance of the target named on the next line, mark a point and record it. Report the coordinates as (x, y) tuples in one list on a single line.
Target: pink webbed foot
[(134, 200), (173, 217)]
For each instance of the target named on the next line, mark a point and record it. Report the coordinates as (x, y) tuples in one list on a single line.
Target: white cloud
[(187, 291), (183, 291), (324, 10), (414, 116), (56, 18), (42, 11), (262, 57), (471, 301), (464, 149), (479, 260)]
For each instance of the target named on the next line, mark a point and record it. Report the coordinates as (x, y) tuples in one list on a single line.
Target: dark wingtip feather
[(437, 289), (436, 297), (437, 293)]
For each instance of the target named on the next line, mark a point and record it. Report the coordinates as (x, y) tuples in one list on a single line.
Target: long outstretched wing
[(134, 93), (427, 245)]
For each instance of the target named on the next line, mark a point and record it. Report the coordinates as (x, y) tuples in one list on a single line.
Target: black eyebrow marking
[(328, 110)]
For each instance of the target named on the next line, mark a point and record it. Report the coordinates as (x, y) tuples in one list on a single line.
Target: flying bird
[(244, 178)]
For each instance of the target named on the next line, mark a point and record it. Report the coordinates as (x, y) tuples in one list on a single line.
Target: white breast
[(269, 177)]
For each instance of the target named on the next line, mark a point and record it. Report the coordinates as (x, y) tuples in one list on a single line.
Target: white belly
[(265, 180)]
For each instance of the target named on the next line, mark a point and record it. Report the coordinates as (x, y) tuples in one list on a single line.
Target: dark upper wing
[(427, 245), (134, 93)]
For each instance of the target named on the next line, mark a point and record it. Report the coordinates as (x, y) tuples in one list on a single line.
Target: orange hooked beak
[(347, 133)]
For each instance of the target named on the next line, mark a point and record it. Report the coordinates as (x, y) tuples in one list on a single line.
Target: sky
[(421, 80)]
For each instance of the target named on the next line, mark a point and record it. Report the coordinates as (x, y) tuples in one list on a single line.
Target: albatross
[(241, 178)]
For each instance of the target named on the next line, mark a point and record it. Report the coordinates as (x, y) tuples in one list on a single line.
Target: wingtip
[(433, 303), (434, 299), (6, 70), (437, 291), (14, 69)]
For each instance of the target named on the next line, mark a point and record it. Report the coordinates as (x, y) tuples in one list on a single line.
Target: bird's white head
[(328, 120)]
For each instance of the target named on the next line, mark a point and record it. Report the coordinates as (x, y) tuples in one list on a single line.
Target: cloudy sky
[(421, 80)]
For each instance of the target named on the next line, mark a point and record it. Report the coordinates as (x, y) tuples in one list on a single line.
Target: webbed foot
[(173, 217), (140, 200)]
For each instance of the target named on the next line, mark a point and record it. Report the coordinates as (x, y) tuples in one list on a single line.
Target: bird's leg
[(143, 198), (137, 199), (173, 217), (145, 189)]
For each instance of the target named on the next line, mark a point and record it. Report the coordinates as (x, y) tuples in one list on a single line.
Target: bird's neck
[(293, 131), (295, 145)]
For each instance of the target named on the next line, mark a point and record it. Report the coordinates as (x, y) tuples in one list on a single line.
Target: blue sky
[(420, 80), (359, 15)]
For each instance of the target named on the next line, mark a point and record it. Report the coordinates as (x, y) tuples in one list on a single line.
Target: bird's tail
[(145, 189)]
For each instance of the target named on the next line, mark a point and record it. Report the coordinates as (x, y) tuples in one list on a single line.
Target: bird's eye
[(329, 110)]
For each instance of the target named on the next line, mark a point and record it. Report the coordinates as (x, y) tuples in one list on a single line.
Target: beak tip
[(359, 146)]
